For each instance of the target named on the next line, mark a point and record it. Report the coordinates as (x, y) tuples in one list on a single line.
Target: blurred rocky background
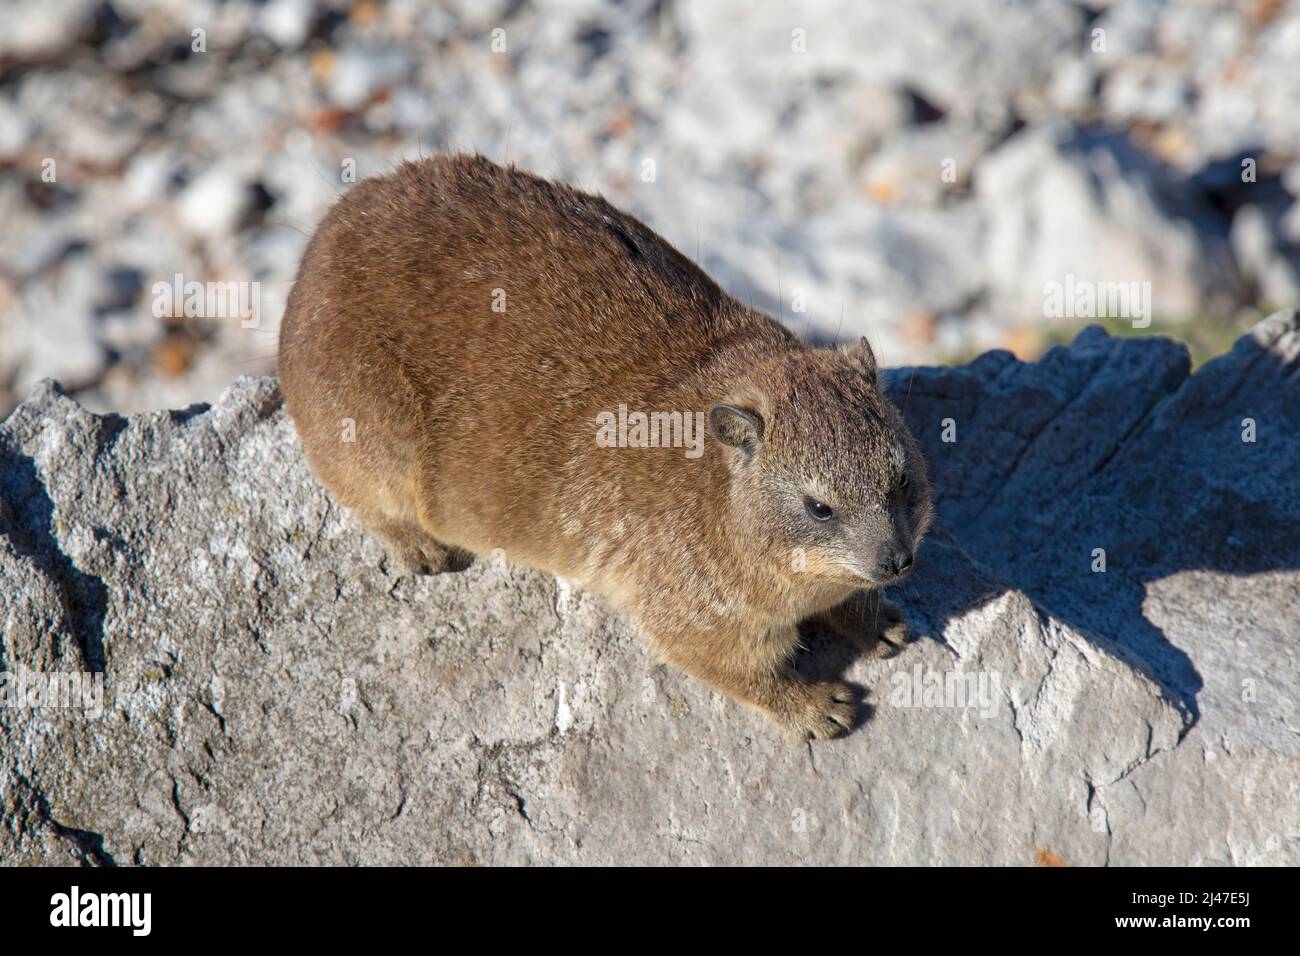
[(917, 172)]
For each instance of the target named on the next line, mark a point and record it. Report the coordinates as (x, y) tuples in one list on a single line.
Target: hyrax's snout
[(893, 560)]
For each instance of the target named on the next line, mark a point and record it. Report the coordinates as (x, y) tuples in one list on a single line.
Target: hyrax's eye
[(902, 482), (818, 510)]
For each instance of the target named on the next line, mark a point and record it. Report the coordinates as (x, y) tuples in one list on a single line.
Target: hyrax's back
[(471, 320)]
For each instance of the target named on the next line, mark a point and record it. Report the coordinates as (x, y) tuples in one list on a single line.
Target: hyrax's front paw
[(870, 622), (892, 633), (818, 710)]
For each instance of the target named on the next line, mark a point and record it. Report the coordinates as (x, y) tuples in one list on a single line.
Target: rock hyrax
[(522, 366)]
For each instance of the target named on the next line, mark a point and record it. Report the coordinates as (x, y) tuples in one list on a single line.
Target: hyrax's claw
[(817, 710)]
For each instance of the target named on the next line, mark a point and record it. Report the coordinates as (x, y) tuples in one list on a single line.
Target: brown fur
[(476, 429)]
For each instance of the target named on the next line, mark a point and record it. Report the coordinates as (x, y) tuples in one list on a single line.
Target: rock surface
[(272, 693)]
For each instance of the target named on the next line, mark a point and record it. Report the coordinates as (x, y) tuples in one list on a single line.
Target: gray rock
[(1264, 257), (963, 58), (287, 22), (273, 693), (214, 202), (15, 129), (1111, 445), (39, 28), (83, 119), (362, 70), (56, 323), (913, 166), (1062, 201)]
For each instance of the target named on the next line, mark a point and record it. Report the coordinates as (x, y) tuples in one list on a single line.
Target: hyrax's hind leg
[(869, 621), (414, 549)]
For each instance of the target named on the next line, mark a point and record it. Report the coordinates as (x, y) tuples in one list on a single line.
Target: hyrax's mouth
[(893, 579), (879, 580)]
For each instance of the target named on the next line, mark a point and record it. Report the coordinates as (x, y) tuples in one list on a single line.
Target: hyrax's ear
[(735, 426), (863, 358)]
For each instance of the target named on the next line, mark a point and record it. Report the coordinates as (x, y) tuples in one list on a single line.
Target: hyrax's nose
[(895, 560)]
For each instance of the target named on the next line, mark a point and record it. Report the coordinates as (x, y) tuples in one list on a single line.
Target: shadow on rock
[(27, 521), (1085, 477)]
